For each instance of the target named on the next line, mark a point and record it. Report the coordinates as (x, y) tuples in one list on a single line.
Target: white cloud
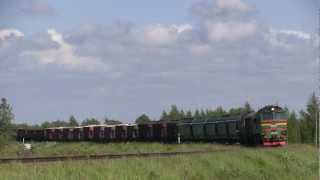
[(65, 55), (200, 49), (159, 34), (218, 31), (5, 33), (279, 38), (298, 34), (183, 27), (232, 5)]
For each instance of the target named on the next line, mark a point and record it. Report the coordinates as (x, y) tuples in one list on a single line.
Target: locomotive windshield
[(274, 116)]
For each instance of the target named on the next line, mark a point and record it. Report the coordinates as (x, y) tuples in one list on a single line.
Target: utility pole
[(317, 39), (318, 82)]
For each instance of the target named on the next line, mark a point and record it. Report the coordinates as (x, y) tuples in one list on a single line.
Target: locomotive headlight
[(272, 109)]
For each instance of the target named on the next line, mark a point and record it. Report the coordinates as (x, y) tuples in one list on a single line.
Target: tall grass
[(291, 162), (85, 148)]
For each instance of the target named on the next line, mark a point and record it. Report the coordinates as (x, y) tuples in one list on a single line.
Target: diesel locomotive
[(267, 127)]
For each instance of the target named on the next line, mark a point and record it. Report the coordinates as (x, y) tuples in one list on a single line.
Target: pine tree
[(202, 115), (189, 114), (164, 116), (219, 112), (174, 113), (6, 116), (90, 121), (108, 121), (247, 108), (73, 121), (197, 115), (309, 120), (143, 119), (182, 114), (293, 128)]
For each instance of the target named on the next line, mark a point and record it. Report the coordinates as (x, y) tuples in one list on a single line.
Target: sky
[(119, 59)]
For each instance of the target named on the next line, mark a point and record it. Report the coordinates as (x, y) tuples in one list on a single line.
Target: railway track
[(100, 157)]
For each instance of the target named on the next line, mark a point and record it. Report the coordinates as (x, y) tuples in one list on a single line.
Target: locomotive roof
[(218, 119), (271, 108), (93, 125)]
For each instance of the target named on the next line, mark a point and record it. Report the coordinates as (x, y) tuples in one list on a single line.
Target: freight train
[(267, 127)]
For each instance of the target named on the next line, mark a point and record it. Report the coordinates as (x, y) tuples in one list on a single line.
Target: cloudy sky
[(123, 58)]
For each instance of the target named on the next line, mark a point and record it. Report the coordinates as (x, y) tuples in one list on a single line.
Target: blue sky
[(68, 14), (123, 58)]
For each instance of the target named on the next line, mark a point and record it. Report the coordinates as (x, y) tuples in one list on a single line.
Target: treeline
[(301, 126), (203, 114), (72, 122)]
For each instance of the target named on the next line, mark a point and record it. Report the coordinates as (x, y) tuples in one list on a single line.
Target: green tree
[(143, 119), (111, 122), (197, 115), (235, 111), (59, 123), (293, 128), (182, 114), (309, 120), (241, 110), (189, 114), (164, 116), (247, 108), (218, 112), (6, 116), (174, 113), (46, 124), (90, 121), (203, 115), (73, 121)]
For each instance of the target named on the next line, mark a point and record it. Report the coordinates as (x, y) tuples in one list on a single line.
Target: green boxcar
[(185, 132), (232, 130), (210, 129), (222, 130), (198, 131)]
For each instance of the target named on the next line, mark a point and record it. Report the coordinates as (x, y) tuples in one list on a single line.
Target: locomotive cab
[(273, 121)]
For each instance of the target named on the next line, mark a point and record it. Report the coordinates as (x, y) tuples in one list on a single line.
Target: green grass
[(85, 148), (285, 163)]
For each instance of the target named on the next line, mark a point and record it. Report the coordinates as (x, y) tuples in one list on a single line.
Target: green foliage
[(182, 113), (4, 140), (189, 114), (241, 110), (174, 113), (57, 123), (197, 115), (143, 119), (111, 122), (203, 114), (90, 121), (309, 120), (218, 112), (294, 134), (164, 116), (73, 121), (6, 116)]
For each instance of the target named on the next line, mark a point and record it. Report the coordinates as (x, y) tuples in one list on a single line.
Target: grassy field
[(290, 162), (85, 148)]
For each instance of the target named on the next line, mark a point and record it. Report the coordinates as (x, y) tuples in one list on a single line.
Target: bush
[(4, 139)]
